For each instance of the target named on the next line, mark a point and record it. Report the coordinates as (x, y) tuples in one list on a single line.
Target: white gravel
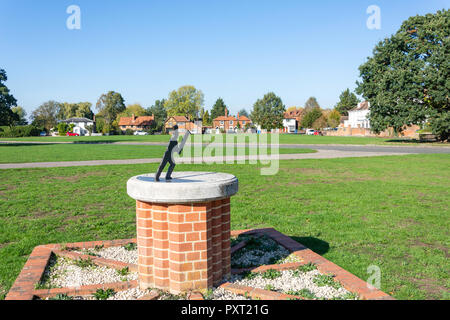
[(288, 281), (114, 253), (64, 273)]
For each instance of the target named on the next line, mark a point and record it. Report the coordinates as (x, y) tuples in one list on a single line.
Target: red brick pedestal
[(183, 246)]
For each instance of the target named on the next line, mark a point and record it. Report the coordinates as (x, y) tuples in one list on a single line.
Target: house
[(183, 123), (358, 117), (80, 125), (292, 120), (229, 123), (136, 123)]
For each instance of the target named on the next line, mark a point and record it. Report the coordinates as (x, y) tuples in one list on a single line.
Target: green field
[(392, 212), (21, 153), (284, 139)]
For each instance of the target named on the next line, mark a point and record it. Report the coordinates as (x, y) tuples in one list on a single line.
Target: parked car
[(310, 132), (43, 134), (140, 133), (71, 134)]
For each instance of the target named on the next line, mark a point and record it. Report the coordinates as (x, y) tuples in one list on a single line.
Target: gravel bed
[(114, 253), (291, 282), (261, 251), (63, 272)]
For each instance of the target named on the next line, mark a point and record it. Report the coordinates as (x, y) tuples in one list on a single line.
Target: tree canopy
[(186, 101), (21, 114), (268, 112), (310, 104), (243, 112), (160, 114), (47, 114), (407, 78), (78, 110), (7, 101), (347, 101), (110, 105), (310, 117), (218, 109)]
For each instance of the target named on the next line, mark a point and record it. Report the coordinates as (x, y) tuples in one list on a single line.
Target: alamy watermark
[(73, 22), (374, 20), (375, 276), (239, 148)]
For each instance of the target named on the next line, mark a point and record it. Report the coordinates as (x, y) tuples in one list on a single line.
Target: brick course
[(189, 244)]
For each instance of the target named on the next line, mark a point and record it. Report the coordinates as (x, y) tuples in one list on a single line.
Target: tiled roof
[(77, 120), (138, 121), (365, 105), (224, 118), (179, 118), (243, 118)]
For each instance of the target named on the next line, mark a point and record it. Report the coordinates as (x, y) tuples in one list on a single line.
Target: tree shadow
[(318, 246), (25, 144)]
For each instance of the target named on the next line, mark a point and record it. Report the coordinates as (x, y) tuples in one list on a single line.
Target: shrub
[(129, 132)]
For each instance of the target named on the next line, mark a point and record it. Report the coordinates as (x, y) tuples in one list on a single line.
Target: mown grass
[(284, 139), (19, 153), (392, 212)]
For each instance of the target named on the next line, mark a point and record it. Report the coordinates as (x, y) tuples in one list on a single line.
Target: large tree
[(160, 114), (21, 114), (310, 104), (7, 101), (46, 115), (268, 112), (407, 78), (347, 101), (243, 112), (110, 105), (218, 109), (186, 101), (310, 117)]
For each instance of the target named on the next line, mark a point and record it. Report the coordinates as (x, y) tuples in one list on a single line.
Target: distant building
[(291, 121), (134, 123), (229, 123), (80, 125), (183, 123), (358, 117)]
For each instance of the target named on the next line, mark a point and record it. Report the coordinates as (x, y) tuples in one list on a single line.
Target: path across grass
[(20, 153), (391, 212), (284, 139)]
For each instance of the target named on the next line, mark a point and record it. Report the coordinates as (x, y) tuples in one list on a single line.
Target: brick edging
[(348, 280)]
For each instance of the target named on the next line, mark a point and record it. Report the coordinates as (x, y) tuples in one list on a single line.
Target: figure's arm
[(180, 146)]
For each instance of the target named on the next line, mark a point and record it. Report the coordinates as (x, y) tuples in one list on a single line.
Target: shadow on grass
[(318, 246), (2, 144)]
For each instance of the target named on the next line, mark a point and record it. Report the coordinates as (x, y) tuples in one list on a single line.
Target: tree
[(218, 109), (160, 114), (310, 104), (310, 117), (131, 109), (268, 112), (243, 112), (406, 79), (22, 115), (186, 101), (319, 123), (333, 118), (206, 118), (46, 115), (347, 101), (84, 110), (7, 116), (110, 105), (62, 128)]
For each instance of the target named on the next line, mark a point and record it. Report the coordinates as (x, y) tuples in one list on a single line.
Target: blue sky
[(237, 50)]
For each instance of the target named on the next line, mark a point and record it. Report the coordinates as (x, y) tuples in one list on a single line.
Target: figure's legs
[(161, 167), (170, 170)]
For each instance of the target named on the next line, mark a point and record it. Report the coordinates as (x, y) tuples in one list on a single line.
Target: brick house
[(184, 124), (136, 123), (230, 123)]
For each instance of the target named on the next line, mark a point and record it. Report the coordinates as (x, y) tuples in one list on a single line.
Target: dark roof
[(365, 105), (77, 120)]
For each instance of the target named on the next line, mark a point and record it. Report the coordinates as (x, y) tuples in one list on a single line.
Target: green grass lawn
[(392, 212), (284, 139), (20, 153)]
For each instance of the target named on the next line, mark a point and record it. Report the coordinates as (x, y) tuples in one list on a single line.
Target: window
[(243, 122), (231, 122), (221, 122)]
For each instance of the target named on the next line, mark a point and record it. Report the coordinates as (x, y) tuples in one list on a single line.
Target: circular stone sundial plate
[(185, 187)]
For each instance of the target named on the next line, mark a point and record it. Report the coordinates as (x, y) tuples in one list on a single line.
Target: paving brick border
[(349, 281), (24, 286)]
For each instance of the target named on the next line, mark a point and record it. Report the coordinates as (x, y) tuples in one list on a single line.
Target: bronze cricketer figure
[(172, 147)]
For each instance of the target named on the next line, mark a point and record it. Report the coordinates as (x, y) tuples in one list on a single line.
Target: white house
[(358, 117), (81, 125), (289, 124)]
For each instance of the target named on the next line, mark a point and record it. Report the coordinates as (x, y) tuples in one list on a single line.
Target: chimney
[(226, 112), (132, 117), (238, 116)]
